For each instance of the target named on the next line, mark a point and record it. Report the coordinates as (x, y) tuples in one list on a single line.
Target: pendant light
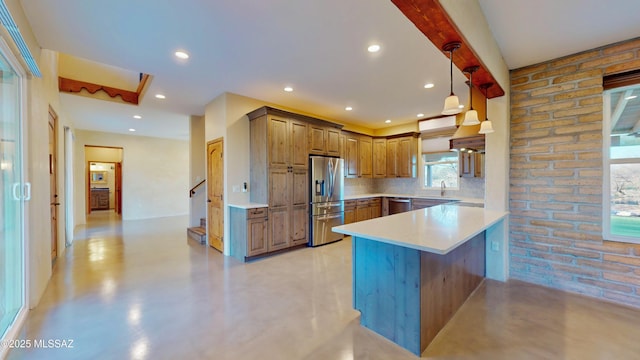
[(486, 127), (451, 103), (471, 116)]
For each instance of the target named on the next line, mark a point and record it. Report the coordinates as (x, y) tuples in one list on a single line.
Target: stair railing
[(193, 189)]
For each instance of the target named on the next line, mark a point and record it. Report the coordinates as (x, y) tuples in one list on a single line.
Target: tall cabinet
[(280, 144)]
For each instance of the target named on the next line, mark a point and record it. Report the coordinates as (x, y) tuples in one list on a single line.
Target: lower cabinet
[(418, 203), (249, 232), (350, 211), (368, 208), (259, 231)]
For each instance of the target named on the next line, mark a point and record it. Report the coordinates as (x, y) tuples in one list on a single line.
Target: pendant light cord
[(451, 71), (471, 90)]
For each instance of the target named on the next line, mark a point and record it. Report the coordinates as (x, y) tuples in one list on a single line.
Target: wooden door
[(351, 157), (333, 142), (279, 150), (118, 188), (379, 158), (365, 153), (215, 191), (53, 182), (299, 146), (317, 143), (392, 153)]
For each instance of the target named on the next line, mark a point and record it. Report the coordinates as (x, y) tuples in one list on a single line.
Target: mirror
[(99, 177)]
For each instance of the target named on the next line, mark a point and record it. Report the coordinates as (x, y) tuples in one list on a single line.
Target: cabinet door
[(298, 150), (379, 158), (299, 225), (299, 187), (279, 190), (363, 213), (343, 150), (349, 215), (392, 151), (376, 210), (317, 141), (365, 156), (351, 157), (406, 157), (279, 227), (466, 164), (333, 142), (257, 236), (279, 152)]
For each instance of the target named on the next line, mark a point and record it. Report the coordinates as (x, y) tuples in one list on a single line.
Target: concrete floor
[(141, 290)]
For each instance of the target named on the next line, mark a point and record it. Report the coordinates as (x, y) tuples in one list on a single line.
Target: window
[(621, 141), (439, 167)]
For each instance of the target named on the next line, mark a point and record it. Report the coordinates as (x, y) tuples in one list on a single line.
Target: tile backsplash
[(469, 187)]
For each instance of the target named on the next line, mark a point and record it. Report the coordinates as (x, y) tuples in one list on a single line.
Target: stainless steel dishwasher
[(399, 205)]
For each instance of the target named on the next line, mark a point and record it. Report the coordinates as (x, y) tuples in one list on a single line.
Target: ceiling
[(256, 48)]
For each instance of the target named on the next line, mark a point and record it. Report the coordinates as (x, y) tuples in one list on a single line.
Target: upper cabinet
[(402, 156), (379, 158), (358, 155), (287, 142), (324, 140)]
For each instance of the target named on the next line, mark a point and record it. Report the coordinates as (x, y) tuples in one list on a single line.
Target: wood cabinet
[(402, 156), (99, 199), (368, 208), (324, 140), (379, 158), (358, 157), (350, 211), (279, 175), (249, 232), (471, 164)]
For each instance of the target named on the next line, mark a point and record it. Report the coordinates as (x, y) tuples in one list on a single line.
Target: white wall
[(225, 117), (197, 170), (155, 174), (469, 19)]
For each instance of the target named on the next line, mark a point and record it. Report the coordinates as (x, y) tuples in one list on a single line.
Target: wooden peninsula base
[(408, 295)]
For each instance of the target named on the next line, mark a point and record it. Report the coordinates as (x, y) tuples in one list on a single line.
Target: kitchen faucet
[(442, 187)]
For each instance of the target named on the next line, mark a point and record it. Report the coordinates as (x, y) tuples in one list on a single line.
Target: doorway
[(215, 190), (53, 183), (103, 178)]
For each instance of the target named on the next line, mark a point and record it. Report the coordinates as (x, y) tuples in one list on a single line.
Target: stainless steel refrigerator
[(326, 196)]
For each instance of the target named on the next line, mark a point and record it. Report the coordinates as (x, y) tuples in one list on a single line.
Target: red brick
[(590, 155), (552, 206), (575, 217), (578, 93), (626, 279), (606, 247), (531, 150), (622, 67), (590, 173), (594, 100), (552, 89), (529, 246), (530, 230), (588, 118), (588, 74), (528, 119), (552, 224), (553, 107), (606, 60), (574, 58), (519, 80), (554, 72), (530, 102), (553, 157), (607, 285), (529, 213), (577, 111), (622, 47), (552, 140), (578, 129), (590, 137), (608, 266), (575, 235), (576, 164), (528, 70), (576, 252), (550, 124), (529, 86), (590, 227), (630, 260), (531, 134), (597, 81), (577, 182), (590, 190), (576, 147), (551, 173), (551, 240), (529, 182), (576, 270), (578, 199), (551, 190), (529, 165)]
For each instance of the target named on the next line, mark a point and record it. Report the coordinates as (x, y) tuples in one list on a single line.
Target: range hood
[(467, 137)]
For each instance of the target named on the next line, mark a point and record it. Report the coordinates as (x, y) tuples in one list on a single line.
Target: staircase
[(198, 233)]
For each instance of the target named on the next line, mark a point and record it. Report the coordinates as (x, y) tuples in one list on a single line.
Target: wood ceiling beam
[(76, 86), (434, 22)]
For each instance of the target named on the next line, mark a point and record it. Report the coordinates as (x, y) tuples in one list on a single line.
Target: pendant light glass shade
[(486, 127), (471, 116), (451, 103)]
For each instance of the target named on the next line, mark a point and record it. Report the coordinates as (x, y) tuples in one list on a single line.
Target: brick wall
[(556, 177)]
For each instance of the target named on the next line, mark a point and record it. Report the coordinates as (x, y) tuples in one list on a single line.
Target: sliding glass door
[(12, 190)]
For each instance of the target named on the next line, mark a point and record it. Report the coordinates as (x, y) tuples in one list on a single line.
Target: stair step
[(198, 234)]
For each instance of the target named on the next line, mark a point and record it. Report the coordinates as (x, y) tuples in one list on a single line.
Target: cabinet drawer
[(375, 201), (350, 204), (257, 213), (363, 202)]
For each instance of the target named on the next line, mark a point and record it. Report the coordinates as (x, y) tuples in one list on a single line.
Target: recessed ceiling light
[(160, 96), (181, 55), (387, 121), (428, 85), (348, 108), (420, 115), (288, 89), (631, 97), (137, 117), (132, 129), (373, 48)]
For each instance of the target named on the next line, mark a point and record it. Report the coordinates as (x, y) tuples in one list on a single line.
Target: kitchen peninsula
[(412, 271)]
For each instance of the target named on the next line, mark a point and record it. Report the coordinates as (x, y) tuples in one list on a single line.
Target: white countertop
[(248, 205), (438, 229), (450, 198)]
